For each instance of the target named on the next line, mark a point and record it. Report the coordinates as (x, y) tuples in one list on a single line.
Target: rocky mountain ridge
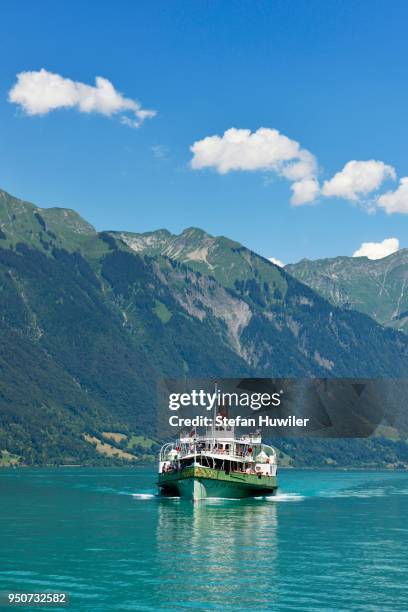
[(89, 321)]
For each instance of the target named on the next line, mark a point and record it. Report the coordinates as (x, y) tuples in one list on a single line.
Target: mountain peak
[(194, 232), (22, 221)]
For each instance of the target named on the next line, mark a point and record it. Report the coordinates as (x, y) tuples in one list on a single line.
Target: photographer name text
[(238, 421)]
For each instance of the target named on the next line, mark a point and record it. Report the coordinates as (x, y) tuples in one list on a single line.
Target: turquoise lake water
[(329, 541)]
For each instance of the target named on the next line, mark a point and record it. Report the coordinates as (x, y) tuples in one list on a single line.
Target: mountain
[(90, 321), (227, 261), (283, 312), (377, 287), (22, 222)]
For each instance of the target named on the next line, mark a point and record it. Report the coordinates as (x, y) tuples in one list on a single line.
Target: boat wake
[(279, 497), (144, 495), (283, 497), (148, 496)]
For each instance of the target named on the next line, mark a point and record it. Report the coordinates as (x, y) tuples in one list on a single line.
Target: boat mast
[(215, 411)]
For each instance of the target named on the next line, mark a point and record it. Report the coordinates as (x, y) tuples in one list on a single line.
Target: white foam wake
[(144, 495), (284, 497)]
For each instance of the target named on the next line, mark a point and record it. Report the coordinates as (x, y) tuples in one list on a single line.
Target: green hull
[(199, 483)]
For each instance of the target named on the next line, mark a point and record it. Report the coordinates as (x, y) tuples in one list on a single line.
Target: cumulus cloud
[(241, 149), (377, 250), (358, 178), (277, 262), (266, 149), (395, 201), (304, 191), (40, 92)]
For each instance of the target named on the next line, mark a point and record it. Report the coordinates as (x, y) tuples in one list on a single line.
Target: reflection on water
[(217, 548)]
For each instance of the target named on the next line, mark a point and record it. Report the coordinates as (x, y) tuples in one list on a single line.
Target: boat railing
[(215, 451), (184, 451)]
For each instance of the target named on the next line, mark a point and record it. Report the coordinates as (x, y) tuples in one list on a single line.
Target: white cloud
[(277, 262), (304, 191), (377, 250), (395, 201), (358, 178), (265, 149), (241, 149), (268, 150), (40, 92), (304, 166)]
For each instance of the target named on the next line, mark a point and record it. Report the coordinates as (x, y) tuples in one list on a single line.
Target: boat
[(217, 464)]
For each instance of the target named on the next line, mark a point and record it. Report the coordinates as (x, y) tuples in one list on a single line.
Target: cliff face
[(378, 287)]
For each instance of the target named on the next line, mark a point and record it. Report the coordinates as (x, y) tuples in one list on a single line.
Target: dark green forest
[(89, 324)]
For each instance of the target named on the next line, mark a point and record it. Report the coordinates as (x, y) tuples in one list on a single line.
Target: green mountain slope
[(227, 261), (41, 228), (90, 321), (378, 288), (109, 351), (289, 330)]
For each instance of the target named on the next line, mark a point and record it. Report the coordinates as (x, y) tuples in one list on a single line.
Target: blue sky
[(329, 75)]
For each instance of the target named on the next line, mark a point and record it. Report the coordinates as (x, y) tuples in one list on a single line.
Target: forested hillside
[(90, 321)]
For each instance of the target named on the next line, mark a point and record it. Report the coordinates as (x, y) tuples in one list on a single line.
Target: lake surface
[(329, 541)]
